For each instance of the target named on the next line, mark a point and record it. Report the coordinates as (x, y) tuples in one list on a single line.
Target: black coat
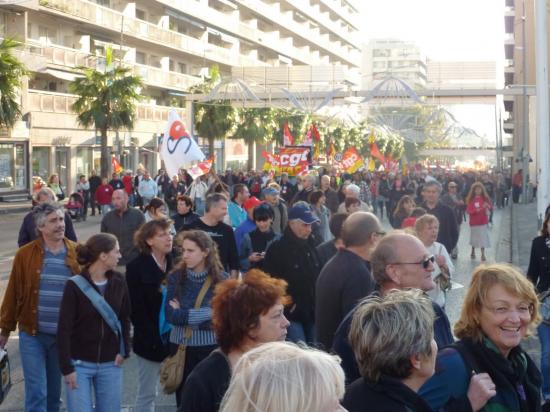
[(448, 227), (387, 395), (296, 261), (145, 279), (539, 264)]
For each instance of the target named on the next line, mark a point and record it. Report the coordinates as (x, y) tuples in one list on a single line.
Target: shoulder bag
[(104, 309), (171, 369)]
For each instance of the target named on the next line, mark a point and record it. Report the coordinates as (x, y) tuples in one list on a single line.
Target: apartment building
[(170, 44), (392, 57)]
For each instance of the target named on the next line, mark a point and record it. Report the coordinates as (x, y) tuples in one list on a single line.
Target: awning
[(71, 77)]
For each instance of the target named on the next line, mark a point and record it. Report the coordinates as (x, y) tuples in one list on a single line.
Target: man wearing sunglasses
[(399, 261)]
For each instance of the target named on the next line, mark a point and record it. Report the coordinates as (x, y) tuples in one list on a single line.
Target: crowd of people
[(276, 294)]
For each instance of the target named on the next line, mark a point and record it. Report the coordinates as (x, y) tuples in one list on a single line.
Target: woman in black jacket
[(539, 273), (90, 352), (146, 276)]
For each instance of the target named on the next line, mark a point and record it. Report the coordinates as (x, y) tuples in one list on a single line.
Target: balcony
[(50, 102), (165, 79), (110, 19), (336, 7)]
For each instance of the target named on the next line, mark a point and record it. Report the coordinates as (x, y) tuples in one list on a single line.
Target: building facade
[(170, 44)]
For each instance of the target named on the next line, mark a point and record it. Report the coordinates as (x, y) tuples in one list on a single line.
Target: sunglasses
[(424, 262)]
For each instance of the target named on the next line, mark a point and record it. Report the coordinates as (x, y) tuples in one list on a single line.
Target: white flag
[(178, 148)]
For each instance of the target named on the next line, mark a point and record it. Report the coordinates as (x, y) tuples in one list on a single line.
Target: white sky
[(444, 29)]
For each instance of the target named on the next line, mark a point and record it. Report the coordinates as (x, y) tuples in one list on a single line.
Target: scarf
[(517, 379), (396, 390)]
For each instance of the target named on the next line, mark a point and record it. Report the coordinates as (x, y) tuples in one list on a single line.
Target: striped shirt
[(187, 315), (52, 283)]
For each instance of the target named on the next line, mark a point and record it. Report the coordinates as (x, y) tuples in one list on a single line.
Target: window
[(41, 162), (140, 14), (140, 57)]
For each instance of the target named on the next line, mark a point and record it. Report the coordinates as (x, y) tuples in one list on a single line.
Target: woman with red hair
[(245, 314)]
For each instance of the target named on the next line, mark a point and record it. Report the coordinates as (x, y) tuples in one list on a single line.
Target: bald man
[(346, 278), (123, 222)]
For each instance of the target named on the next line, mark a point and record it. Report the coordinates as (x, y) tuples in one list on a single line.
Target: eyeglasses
[(424, 262), (381, 233)]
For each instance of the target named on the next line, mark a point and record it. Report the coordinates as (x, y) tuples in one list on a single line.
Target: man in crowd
[(212, 223), (147, 189), (331, 195), (328, 249), (235, 210), (399, 261), (116, 182), (293, 258), (31, 303), (123, 222), (448, 227), (280, 212), (308, 184), (95, 182), (27, 231), (288, 190), (346, 278), (248, 225), (352, 191), (455, 201)]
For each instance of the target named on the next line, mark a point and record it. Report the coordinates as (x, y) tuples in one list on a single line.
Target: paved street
[(523, 230)]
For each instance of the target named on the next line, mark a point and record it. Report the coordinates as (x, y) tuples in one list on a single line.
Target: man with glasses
[(399, 261), (346, 278)]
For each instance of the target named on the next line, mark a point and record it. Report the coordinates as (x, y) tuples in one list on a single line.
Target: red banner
[(291, 160)]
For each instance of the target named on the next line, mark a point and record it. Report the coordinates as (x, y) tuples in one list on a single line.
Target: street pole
[(525, 129), (543, 132)]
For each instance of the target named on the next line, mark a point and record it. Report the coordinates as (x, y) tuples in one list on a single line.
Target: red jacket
[(478, 208), (103, 194), (128, 184)]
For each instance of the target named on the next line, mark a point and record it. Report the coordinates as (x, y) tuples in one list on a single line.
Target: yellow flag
[(372, 165)]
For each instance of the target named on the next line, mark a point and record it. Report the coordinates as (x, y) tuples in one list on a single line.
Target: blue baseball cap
[(270, 191), (302, 213)]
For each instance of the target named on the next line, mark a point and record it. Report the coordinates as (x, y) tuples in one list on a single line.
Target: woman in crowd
[(200, 267), (281, 376), (197, 192), (156, 209), (90, 352), (478, 207), (539, 273), (427, 228), (245, 314), (146, 277), (184, 213), (393, 341), (403, 210), (351, 205), (317, 200), (55, 185), (255, 243), (487, 369)]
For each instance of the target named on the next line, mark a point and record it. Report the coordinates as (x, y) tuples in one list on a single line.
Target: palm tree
[(256, 125), (11, 72), (107, 101), (216, 119)]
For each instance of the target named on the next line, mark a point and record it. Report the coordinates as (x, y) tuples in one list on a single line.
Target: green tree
[(215, 119), (255, 125), (107, 101), (11, 72)]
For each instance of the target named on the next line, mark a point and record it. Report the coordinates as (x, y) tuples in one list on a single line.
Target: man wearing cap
[(293, 258), (248, 224), (346, 278), (280, 212)]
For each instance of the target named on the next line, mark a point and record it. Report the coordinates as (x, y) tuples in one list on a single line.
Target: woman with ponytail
[(90, 355)]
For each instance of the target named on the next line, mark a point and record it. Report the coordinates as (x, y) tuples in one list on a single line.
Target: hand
[(255, 257), (440, 260), (70, 381), (481, 389), (119, 360), (174, 303), (3, 341)]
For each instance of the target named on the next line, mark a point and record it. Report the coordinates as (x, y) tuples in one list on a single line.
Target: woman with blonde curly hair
[(281, 376), (487, 369)]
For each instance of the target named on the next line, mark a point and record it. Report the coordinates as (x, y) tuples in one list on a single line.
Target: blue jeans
[(544, 336), (39, 359), (301, 332), (104, 380), (199, 206)]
